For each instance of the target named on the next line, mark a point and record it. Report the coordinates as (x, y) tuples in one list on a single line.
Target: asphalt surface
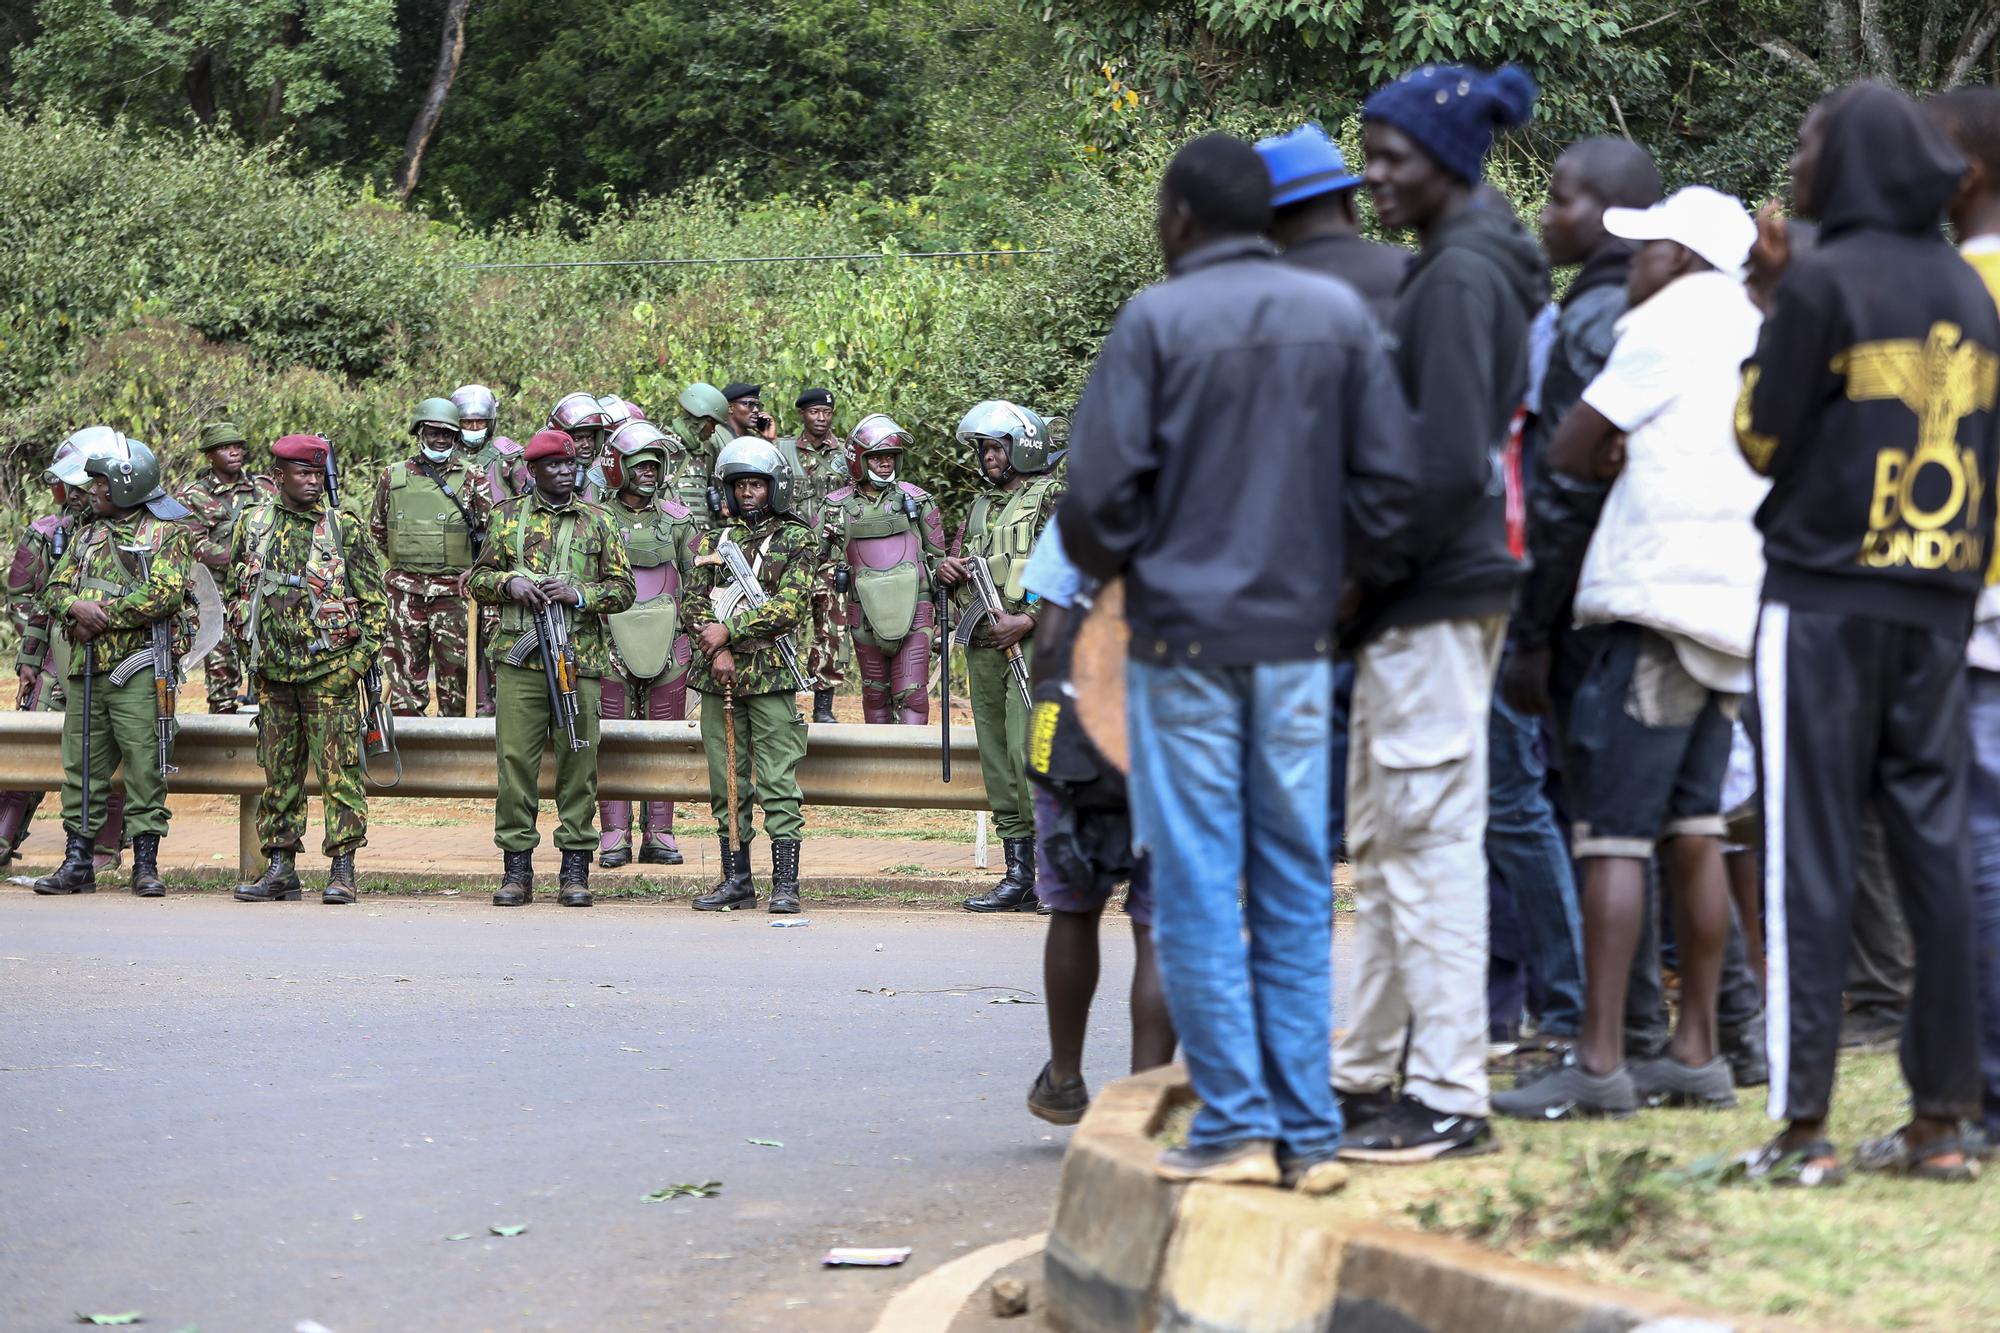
[(244, 1116)]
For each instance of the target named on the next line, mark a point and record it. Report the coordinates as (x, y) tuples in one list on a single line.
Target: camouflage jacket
[(421, 531), (215, 504), (27, 574), (500, 459), (306, 595), (690, 475), (816, 473), (532, 539), (784, 555), (95, 569)]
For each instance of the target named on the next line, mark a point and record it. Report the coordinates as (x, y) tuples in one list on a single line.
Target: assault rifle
[(756, 598), (378, 727), (990, 607), (551, 639), (159, 652), (941, 605)]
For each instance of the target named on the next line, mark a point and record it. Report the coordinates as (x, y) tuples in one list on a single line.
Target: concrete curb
[(1129, 1251)]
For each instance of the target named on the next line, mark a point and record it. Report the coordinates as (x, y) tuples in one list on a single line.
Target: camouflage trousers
[(222, 669), (622, 697), (489, 630), (426, 640), (317, 722), (826, 657), (17, 808)]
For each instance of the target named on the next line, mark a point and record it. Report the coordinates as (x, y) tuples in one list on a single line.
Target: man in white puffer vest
[(1669, 589)]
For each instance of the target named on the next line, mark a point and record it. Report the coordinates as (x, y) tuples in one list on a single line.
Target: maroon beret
[(549, 443), (300, 449)]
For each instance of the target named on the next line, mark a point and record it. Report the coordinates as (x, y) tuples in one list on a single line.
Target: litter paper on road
[(848, 1257)]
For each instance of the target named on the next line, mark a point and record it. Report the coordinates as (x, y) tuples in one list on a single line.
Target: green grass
[(1643, 1201)]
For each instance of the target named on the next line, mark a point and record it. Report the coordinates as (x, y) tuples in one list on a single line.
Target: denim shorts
[(1059, 896), (1649, 747)]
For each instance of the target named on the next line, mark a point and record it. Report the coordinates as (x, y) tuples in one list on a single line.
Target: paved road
[(240, 1117)]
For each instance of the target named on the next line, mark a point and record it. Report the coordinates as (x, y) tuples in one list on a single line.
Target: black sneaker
[(1359, 1107), (1413, 1132), (1571, 1092), (1058, 1103), (1668, 1082), (1743, 1047)]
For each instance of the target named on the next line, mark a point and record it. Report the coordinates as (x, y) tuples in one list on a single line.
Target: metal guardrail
[(846, 763)]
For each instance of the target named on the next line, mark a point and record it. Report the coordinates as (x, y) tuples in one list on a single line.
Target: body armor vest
[(427, 534)]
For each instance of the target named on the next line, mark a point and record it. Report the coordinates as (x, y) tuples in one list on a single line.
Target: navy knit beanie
[(1454, 111)]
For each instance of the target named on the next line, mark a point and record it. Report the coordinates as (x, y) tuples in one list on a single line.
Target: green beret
[(218, 433)]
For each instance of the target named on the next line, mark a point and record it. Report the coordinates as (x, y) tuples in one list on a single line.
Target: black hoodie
[(1870, 399), (1461, 338)]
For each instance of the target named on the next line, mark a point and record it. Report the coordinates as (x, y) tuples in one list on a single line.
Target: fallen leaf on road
[(708, 1189), (851, 1257), (463, 1235), (110, 1320), (508, 1230), (763, 1143)]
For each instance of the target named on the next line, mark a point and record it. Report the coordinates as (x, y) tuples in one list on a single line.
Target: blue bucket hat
[(1304, 162)]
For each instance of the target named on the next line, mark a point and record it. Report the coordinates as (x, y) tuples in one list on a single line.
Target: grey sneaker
[(1668, 1082), (1570, 1092), (1249, 1162)]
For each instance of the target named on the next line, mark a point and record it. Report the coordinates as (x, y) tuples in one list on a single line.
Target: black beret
[(735, 391), (814, 398)]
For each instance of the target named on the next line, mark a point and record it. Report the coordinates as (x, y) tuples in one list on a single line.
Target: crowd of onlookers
[(1634, 640)]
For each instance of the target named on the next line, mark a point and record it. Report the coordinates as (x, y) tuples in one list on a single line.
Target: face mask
[(880, 482), (437, 455), (476, 439)]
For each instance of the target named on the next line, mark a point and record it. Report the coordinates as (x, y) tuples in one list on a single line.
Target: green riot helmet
[(133, 474), (1025, 432), (701, 399), (754, 456), (435, 412)]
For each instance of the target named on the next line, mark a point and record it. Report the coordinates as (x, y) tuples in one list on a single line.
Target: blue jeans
[(1525, 850), (1229, 798), (1983, 821)]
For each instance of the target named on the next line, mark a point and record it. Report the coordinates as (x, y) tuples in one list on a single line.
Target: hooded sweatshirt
[(1462, 356), (1870, 399)]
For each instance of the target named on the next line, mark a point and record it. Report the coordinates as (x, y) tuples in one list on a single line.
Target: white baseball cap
[(1714, 225)]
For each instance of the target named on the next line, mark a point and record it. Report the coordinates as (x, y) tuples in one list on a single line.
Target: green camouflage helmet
[(435, 412), (755, 456), (133, 474), (1026, 433), (701, 399)]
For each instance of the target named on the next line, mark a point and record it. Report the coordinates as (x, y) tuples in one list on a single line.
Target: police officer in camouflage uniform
[(548, 548), (1011, 446), (736, 650), (886, 533), (703, 412), (429, 518), (215, 497), (310, 613), (820, 465), (647, 674), (127, 569), (42, 651), (582, 417), (483, 446)]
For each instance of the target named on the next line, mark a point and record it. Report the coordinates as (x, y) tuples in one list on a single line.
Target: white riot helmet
[(476, 401), (67, 467)]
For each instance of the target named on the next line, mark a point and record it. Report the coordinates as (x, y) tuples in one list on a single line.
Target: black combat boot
[(574, 879), (617, 854), (784, 876), (822, 708), (659, 854), (278, 884), (340, 888), (737, 889), (76, 874), (517, 880), (1016, 890), (146, 881)]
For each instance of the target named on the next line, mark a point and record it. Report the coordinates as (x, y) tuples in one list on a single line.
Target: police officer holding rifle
[(555, 566)]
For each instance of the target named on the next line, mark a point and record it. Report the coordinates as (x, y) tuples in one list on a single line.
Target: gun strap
[(430, 472)]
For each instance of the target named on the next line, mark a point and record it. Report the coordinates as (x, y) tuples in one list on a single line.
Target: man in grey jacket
[(1242, 447)]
